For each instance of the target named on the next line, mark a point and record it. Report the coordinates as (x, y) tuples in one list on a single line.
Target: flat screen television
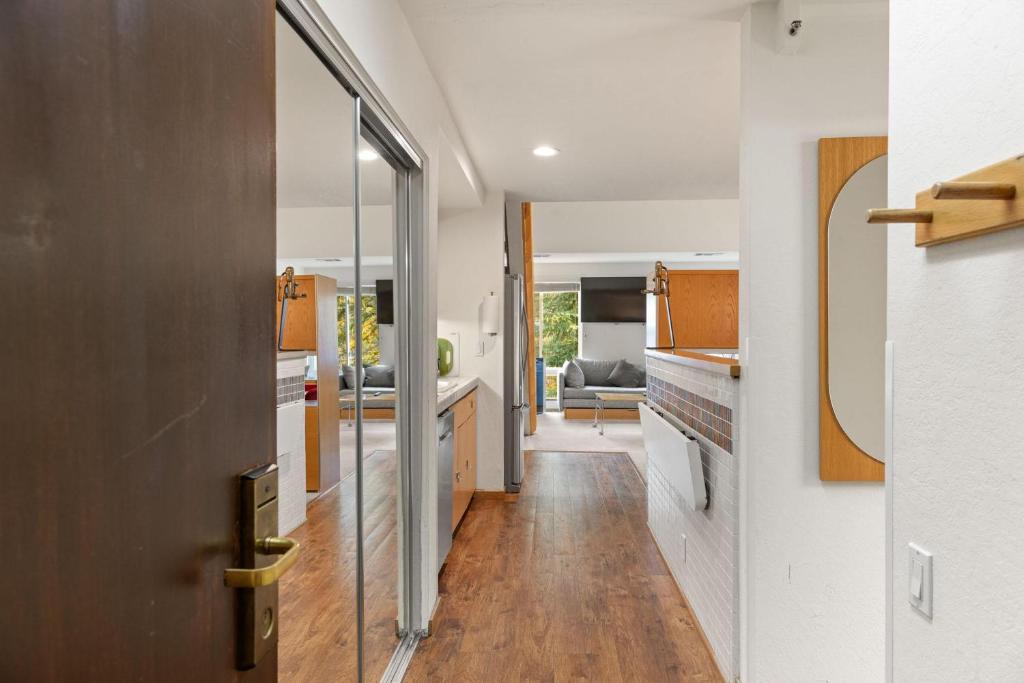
[(385, 302), (613, 300)]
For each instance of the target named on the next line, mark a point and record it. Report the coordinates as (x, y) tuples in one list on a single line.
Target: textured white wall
[(471, 249), (813, 557), (546, 271), (329, 231), (612, 341), (636, 226), (700, 547), (956, 315)]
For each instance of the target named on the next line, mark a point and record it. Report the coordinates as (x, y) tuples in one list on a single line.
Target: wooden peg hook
[(899, 216), (973, 190)]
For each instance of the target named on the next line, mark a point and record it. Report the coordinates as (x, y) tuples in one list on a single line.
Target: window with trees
[(556, 310), (347, 329)]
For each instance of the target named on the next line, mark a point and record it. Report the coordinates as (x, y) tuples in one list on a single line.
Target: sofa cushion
[(348, 377), (573, 375), (596, 372), (379, 376), (626, 374)]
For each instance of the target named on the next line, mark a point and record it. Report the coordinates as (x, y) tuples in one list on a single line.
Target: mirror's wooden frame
[(840, 459)]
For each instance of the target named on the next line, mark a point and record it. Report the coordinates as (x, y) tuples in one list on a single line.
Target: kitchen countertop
[(462, 387), (714, 364)]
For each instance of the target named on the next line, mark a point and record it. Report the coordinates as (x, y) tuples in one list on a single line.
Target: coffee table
[(603, 397)]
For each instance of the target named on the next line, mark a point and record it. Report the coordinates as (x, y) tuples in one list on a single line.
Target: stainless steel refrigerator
[(517, 400)]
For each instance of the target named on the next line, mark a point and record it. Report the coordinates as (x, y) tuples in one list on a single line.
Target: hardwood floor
[(318, 637), (564, 584)]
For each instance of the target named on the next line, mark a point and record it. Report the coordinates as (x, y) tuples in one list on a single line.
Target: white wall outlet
[(920, 587), (683, 538)]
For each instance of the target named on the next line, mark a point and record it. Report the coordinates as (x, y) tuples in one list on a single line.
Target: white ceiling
[(314, 134), (314, 139), (640, 96)]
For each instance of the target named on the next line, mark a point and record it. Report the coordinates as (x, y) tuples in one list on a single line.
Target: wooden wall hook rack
[(988, 201)]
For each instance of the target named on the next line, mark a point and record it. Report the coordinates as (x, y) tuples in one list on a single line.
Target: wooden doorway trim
[(531, 340)]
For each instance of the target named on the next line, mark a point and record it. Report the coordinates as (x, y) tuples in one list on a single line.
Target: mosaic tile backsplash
[(702, 547), (290, 389)]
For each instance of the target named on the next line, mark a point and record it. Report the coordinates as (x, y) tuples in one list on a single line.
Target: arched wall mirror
[(852, 177)]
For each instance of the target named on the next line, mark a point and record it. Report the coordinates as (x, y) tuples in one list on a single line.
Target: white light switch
[(920, 579)]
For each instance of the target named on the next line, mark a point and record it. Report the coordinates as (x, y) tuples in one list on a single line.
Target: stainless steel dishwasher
[(445, 460)]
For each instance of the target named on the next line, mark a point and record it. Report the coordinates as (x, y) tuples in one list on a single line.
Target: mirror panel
[(851, 309), (381, 495), (857, 309), (316, 123)]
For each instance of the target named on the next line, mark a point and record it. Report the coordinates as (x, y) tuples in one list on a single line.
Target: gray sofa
[(378, 385), (598, 377)]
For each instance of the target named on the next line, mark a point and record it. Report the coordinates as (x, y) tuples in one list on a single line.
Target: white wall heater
[(676, 455)]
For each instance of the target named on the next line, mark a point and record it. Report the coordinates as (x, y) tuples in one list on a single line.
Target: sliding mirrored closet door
[(381, 410), (343, 225), (316, 116)]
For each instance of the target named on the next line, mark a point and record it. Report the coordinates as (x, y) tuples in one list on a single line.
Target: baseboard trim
[(689, 605), (496, 495)]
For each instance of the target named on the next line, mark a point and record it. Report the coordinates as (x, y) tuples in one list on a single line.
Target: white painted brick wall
[(706, 566)]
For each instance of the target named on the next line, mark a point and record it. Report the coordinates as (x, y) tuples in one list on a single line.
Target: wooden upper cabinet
[(300, 333), (705, 309)]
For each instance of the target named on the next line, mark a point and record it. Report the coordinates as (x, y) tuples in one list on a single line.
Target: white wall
[(546, 270), (812, 561), (611, 341), (956, 316), (328, 232), (636, 226), (471, 248), (608, 341)]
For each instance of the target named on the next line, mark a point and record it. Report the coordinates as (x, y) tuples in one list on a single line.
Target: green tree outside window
[(556, 324), (346, 330)]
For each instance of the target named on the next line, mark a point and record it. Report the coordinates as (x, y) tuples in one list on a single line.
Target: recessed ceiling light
[(545, 151), (368, 155)]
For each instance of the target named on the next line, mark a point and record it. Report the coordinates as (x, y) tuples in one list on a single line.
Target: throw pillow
[(626, 374), (596, 372), (380, 376), (348, 374), (573, 375)]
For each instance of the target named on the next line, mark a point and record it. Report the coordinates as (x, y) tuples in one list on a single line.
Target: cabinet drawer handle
[(458, 476)]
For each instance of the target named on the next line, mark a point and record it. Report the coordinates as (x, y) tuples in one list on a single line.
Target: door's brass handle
[(287, 548)]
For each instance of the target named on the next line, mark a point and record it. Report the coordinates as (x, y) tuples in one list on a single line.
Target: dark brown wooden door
[(136, 330)]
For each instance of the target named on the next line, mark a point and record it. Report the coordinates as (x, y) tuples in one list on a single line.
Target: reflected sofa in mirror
[(852, 177)]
